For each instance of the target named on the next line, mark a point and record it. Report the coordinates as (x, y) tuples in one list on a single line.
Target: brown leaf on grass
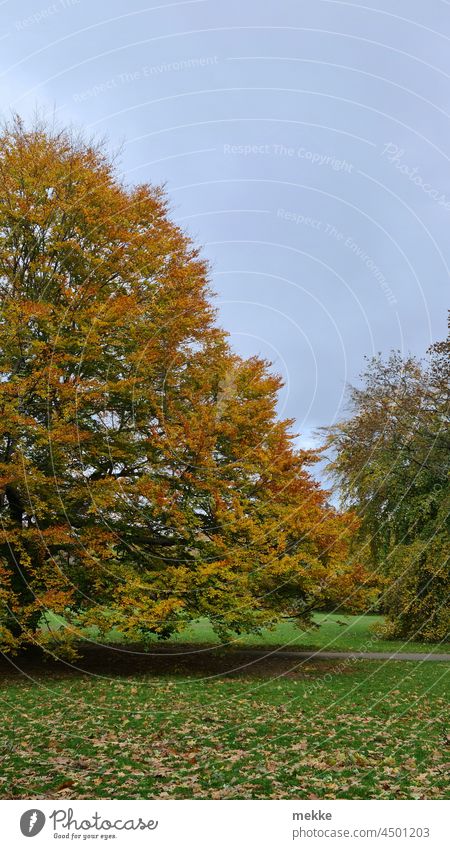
[(61, 760), (64, 786)]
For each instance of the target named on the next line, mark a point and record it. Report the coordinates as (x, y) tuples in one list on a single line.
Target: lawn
[(346, 729), (333, 633)]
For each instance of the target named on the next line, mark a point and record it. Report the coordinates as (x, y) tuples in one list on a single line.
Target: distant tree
[(145, 478), (392, 463)]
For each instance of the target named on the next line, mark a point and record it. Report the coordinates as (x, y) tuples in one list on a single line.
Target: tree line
[(145, 478)]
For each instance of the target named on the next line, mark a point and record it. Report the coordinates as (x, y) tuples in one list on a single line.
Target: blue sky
[(304, 145)]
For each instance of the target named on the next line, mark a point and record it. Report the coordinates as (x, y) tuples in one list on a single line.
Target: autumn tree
[(145, 478), (391, 460)]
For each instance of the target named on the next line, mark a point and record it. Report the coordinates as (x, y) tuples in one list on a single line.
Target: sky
[(304, 146)]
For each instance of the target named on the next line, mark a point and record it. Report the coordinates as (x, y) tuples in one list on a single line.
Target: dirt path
[(337, 655)]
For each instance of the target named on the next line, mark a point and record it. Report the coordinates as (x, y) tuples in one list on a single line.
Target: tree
[(391, 460), (145, 479)]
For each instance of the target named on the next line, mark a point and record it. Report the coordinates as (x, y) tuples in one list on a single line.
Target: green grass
[(348, 730), (335, 633)]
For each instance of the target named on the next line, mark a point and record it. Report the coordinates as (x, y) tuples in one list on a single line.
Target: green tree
[(391, 461)]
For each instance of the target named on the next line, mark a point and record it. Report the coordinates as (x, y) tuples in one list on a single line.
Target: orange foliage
[(145, 479)]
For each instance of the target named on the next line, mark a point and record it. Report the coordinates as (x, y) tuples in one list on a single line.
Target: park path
[(272, 652), (343, 655)]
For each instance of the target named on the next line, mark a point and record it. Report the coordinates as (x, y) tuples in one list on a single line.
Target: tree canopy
[(392, 462), (145, 477)]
